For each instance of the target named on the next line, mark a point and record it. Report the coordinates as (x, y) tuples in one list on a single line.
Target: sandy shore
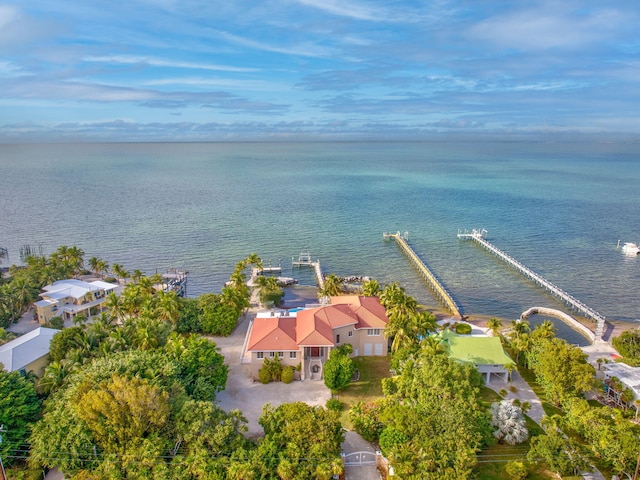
[(298, 296)]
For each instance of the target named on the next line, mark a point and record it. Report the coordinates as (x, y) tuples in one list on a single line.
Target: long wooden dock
[(304, 259), (436, 286), (574, 304)]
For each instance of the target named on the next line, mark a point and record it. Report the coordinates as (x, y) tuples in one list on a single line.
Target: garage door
[(368, 349), (378, 349)]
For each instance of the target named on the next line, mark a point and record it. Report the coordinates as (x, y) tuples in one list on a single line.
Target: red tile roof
[(273, 333), (314, 326)]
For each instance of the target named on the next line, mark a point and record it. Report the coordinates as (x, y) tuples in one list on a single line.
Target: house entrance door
[(315, 351)]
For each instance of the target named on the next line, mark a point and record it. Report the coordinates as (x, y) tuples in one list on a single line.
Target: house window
[(272, 354), (338, 338), (293, 354), (373, 332), (260, 355), (351, 333), (280, 354)]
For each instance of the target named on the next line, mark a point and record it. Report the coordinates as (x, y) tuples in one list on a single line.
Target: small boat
[(630, 249)]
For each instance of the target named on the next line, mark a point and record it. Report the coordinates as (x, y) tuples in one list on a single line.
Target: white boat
[(630, 249)]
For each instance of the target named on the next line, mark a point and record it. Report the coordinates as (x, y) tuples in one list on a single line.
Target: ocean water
[(559, 208)]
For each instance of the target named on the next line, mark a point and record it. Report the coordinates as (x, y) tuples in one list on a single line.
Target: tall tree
[(332, 286), (302, 454), (371, 288), (19, 407), (561, 369), (494, 325)]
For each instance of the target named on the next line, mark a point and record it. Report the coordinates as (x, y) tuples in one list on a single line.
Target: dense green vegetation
[(628, 345), (19, 407), (129, 395), (339, 368)]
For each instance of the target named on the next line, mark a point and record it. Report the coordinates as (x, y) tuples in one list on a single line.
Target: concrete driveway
[(243, 394)]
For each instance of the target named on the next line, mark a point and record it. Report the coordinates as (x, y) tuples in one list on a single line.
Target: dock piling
[(436, 286), (576, 305)]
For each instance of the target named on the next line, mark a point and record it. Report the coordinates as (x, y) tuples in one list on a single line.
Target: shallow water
[(558, 208)]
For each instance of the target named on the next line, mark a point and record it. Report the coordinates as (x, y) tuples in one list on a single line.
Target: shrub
[(364, 417), (264, 375), (274, 367), (287, 374), (513, 388), (516, 470), (335, 405), (57, 323), (338, 370), (463, 329), (391, 438)]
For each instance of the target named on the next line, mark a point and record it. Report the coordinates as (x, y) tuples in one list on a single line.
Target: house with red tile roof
[(305, 337)]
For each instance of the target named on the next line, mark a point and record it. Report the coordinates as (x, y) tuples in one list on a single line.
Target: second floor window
[(373, 332)]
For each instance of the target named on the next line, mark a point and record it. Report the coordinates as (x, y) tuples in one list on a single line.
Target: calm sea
[(558, 208)]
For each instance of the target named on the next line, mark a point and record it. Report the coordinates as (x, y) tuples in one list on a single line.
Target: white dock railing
[(575, 304)]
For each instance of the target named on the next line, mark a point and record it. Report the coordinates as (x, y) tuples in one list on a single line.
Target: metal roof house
[(28, 352), (486, 353), (68, 298)]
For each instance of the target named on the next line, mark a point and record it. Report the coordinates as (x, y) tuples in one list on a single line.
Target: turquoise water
[(558, 208)]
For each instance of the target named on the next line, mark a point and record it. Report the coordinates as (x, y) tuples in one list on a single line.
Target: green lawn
[(368, 387)]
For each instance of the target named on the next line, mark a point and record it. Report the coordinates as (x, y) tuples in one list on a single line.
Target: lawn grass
[(367, 388)]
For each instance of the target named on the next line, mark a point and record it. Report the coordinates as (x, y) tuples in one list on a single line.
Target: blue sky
[(316, 69)]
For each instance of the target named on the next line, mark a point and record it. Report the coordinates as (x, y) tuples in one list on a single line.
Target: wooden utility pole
[(4, 474)]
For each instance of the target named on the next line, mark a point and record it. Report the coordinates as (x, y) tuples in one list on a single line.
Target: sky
[(214, 70)]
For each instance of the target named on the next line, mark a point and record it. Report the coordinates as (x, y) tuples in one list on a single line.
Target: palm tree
[(520, 327), (509, 422), (94, 262), (166, 306), (54, 376), (425, 323), (255, 260), (390, 294), (137, 275), (74, 258), (371, 288), (494, 325), (102, 267), (544, 330), (432, 345), (115, 305), (332, 284), (119, 271)]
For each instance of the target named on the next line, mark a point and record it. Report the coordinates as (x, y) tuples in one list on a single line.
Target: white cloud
[(543, 28), (157, 62), (8, 15), (305, 49), (346, 9)]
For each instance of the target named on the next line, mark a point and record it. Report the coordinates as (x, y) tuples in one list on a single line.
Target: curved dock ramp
[(568, 319), (441, 293), (571, 302)]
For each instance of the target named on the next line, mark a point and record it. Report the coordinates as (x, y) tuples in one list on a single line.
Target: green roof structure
[(485, 353)]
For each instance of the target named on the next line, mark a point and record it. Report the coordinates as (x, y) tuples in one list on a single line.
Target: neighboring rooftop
[(478, 350), (629, 376), (74, 288), (17, 354)]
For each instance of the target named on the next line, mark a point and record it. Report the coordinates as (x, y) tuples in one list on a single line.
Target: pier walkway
[(574, 304), (437, 287), (304, 259)]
